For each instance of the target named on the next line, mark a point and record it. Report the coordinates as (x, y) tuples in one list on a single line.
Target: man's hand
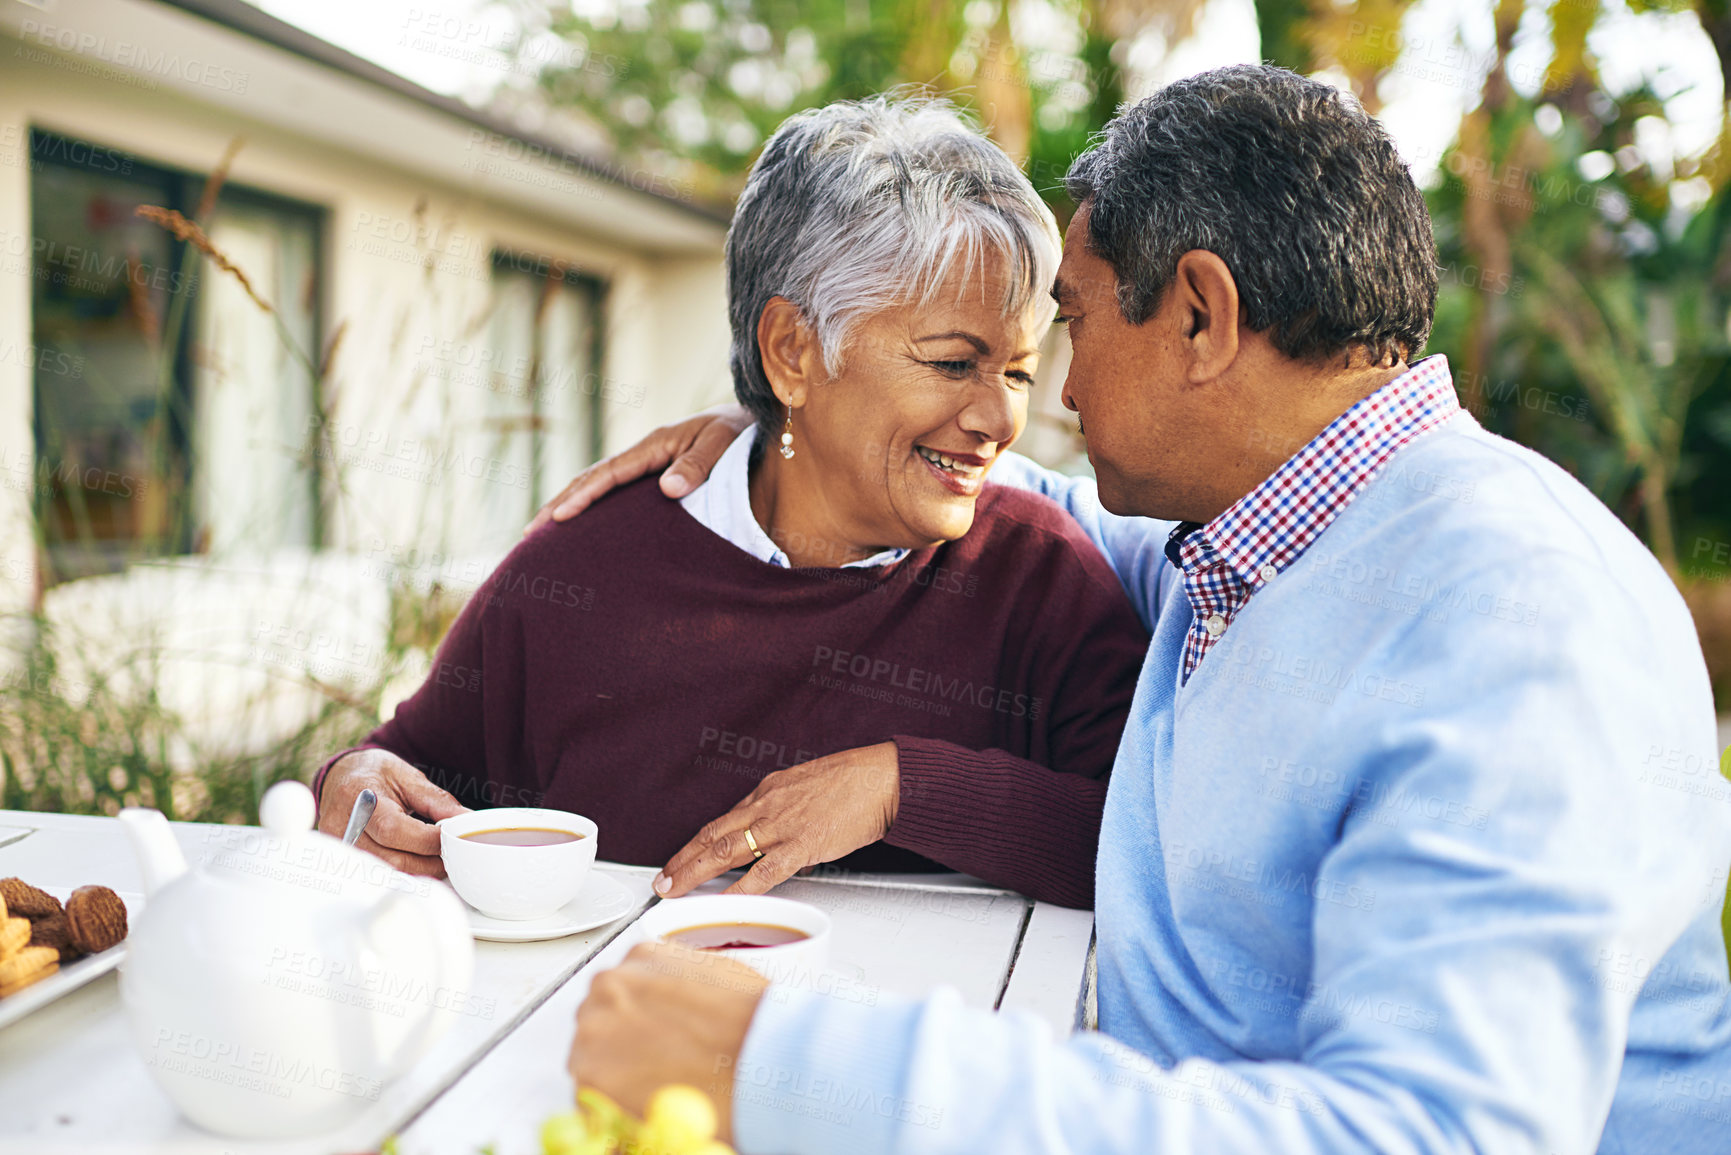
[(811, 813), (665, 1015), (394, 833), (693, 446)]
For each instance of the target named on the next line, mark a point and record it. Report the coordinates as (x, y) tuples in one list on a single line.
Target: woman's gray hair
[(862, 205)]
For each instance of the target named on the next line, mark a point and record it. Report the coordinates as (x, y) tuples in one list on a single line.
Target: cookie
[(27, 966), (96, 917), (14, 936), (54, 931), (25, 901)]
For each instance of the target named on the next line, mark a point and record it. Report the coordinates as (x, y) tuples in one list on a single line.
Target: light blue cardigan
[(1387, 874)]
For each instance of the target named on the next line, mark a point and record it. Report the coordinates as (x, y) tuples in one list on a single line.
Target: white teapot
[(274, 988)]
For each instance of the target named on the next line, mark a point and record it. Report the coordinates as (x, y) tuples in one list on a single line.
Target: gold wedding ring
[(752, 842)]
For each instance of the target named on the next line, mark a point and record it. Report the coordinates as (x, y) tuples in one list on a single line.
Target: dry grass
[(192, 234), (331, 347), (218, 177)]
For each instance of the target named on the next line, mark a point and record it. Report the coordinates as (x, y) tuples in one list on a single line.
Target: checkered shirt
[(1245, 548)]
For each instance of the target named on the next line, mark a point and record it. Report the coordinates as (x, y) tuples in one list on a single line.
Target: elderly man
[(1414, 842)]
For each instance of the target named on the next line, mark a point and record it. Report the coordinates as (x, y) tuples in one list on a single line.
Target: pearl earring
[(787, 434)]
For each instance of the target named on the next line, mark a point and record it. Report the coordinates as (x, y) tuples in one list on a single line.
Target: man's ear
[(1206, 297), (792, 356)]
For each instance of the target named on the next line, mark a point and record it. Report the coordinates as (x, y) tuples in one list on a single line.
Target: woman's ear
[(1207, 298), (792, 356)]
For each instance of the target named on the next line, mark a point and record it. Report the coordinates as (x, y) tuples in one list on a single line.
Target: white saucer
[(602, 901)]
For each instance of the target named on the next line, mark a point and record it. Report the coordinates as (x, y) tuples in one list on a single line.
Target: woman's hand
[(666, 1015), (693, 446), (394, 833), (811, 813)]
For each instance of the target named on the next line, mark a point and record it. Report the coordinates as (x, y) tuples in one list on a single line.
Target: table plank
[(889, 939), (1050, 968), (503, 1100), (908, 940), (72, 1081)]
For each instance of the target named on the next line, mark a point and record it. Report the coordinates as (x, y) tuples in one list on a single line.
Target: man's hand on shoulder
[(693, 446)]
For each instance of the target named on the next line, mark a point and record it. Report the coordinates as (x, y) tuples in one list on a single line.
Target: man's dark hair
[(1288, 181)]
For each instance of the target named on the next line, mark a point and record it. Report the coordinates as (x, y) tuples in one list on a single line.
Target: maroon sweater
[(635, 667)]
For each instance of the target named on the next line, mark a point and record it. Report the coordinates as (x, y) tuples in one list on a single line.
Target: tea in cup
[(517, 862), (777, 937)]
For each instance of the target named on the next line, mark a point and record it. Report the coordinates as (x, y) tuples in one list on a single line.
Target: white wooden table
[(71, 1082)]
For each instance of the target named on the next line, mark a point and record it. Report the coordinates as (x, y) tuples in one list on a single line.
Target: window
[(541, 414), (169, 408)]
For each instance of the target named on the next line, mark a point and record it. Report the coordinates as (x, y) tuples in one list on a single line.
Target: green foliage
[(1604, 340), (693, 88), (1703, 494), (1281, 23), (697, 83), (93, 746)]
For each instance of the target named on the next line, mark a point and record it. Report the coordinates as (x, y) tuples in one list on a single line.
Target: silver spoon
[(360, 815)]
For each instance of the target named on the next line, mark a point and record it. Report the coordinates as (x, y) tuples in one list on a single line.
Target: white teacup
[(785, 962), (516, 882)]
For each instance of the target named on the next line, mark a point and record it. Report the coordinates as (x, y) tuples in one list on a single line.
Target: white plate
[(602, 901), (70, 976)]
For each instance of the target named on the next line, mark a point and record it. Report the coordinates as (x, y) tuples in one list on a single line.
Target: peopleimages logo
[(1340, 574), (253, 1068), (893, 676), (391, 453), (66, 264), (1274, 881), (76, 152), (124, 54)]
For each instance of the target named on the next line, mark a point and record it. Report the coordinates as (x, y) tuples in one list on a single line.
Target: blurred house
[(463, 260), (495, 313)]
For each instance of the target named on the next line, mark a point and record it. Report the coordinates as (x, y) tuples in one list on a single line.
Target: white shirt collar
[(723, 505)]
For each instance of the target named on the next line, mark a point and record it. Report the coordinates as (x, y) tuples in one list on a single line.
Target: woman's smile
[(963, 474)]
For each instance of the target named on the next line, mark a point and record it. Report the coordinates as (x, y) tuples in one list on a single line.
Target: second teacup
[(778, 937)]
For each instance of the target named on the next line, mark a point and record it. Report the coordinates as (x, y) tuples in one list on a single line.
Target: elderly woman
[(846, 646)]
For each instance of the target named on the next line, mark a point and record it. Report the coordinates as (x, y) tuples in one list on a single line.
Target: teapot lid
[(289, 852), (288, 808)]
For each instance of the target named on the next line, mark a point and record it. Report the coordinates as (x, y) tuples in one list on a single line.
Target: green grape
[(564, 1134), (679, 1120), (599, 1110)]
